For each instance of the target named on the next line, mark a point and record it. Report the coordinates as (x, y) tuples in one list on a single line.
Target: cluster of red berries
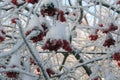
[(41, 34), (60, 16), (96, 78), (93, 37), (57, 44), (116, 56), (48, 70), (109, 42), (50, 10), (36, 38), (12, 74), (112, 27), (2, 36), (14, 2), (14, 20)]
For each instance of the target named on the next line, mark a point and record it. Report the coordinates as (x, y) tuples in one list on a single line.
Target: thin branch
[(64, 60), (33, 52), (107, 5)]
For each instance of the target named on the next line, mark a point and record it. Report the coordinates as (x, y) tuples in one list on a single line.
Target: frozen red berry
[(118, 63), (14, 20), (118, 2), (60, 16), (2, 36), (50, 71), (36, 38), (100, 25), (48, 10), (52, 45), (32, 61), (14, 2), (93, 37), (112, 27), (66, 46), (11, 74), (109, 42), (116, 56)]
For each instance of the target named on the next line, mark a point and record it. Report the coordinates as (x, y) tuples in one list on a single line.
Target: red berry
[(118, 63), (50, 72), (48, 10), (2, 38), (96, 78), (66, 46), (37, 71), (36, 38), (12, 74), (105, 31), (116, 56), (101, 25), (93, 37), (14, 2), (113, 28), (60, 16), (32, 61), (14, 20), (109, 42), (74, 14), (118, 2)]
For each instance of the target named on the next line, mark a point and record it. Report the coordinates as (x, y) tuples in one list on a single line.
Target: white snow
[(15, 60), (57, 32), (34, 23)]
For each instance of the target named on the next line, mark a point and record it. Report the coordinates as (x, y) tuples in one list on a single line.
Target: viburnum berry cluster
[(15, 2), (116, 56), (12, 74), (48, 70), (111, 27), (40, 29), (14, 63), (109, 40), (49, 8), (106, 29), (96, 78), (93, 36), (57, 38), (13, 20), (57, 44), (35, 38)]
